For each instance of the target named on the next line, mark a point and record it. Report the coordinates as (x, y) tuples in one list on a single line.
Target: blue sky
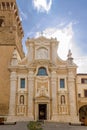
[(64, 19)]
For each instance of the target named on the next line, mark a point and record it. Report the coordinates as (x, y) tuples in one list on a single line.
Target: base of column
[(31, 117), (19, 118), (54, 117), (75, 119)]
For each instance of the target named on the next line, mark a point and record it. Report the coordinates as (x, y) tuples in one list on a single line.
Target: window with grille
[(62, 83), (22, 83), (42, 71), (84, 81)]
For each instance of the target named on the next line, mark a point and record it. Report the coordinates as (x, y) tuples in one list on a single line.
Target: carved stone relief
[(42, 91), (42, 53)]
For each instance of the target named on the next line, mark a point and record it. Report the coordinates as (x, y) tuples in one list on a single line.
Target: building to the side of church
[(11, 34)]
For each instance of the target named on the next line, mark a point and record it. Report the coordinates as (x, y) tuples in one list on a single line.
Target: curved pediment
[(41, 63), (41, 40), (43, 52), (23, 61), (42, 97)]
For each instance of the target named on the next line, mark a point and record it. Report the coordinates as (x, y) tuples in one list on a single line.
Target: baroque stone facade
[(39, 86), (49, 90)]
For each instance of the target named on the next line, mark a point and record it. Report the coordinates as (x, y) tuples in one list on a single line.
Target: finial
[(28, 38), (69, 54), (41, 33), (70, 59)]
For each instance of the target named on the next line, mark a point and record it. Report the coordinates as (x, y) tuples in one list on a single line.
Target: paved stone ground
[(46, 126), (61, 126), (17, 126)]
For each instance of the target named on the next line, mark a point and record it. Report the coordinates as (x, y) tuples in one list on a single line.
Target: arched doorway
[(83, 113)]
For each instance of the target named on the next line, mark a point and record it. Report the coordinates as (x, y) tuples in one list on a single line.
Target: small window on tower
[(79, 95), (1, 22)]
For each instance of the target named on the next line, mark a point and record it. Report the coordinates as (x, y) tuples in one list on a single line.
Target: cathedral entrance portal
[(42, 111)]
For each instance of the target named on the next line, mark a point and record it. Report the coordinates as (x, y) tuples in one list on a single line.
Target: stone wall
[(11, 34)]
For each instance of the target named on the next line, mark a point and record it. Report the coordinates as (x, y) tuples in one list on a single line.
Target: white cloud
[(66, 39), (23, 15), (42, 5), (64, 36), (82, 64)]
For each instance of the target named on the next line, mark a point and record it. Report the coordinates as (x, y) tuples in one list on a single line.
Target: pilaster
[(72, 95), (30, 94), (13, 85), (54, 95), (54, 45), (30, 47)]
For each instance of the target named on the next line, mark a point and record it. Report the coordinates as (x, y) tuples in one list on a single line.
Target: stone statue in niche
[(62, 99), (22, 99)]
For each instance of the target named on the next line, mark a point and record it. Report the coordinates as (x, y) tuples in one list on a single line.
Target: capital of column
[(13, 76), (31, 75), (71, 79), (53, 75)]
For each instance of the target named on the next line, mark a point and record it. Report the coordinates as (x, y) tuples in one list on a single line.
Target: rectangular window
[(84, 81), (62, 83), (22, 83), (85, 93)]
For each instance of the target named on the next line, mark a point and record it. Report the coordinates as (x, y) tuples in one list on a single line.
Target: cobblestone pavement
[(17, 126), (62, 126), (46, 126)]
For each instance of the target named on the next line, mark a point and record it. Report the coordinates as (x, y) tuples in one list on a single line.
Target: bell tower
[(11, 34)]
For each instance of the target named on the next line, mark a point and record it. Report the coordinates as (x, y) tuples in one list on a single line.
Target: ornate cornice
[(41, 63), (40, 40)]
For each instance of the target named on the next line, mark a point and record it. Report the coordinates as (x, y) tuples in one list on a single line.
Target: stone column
[(13, 83), (54, 95), (30, 95)]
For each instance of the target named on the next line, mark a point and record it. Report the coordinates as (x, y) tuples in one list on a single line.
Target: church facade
[(40, 85)]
